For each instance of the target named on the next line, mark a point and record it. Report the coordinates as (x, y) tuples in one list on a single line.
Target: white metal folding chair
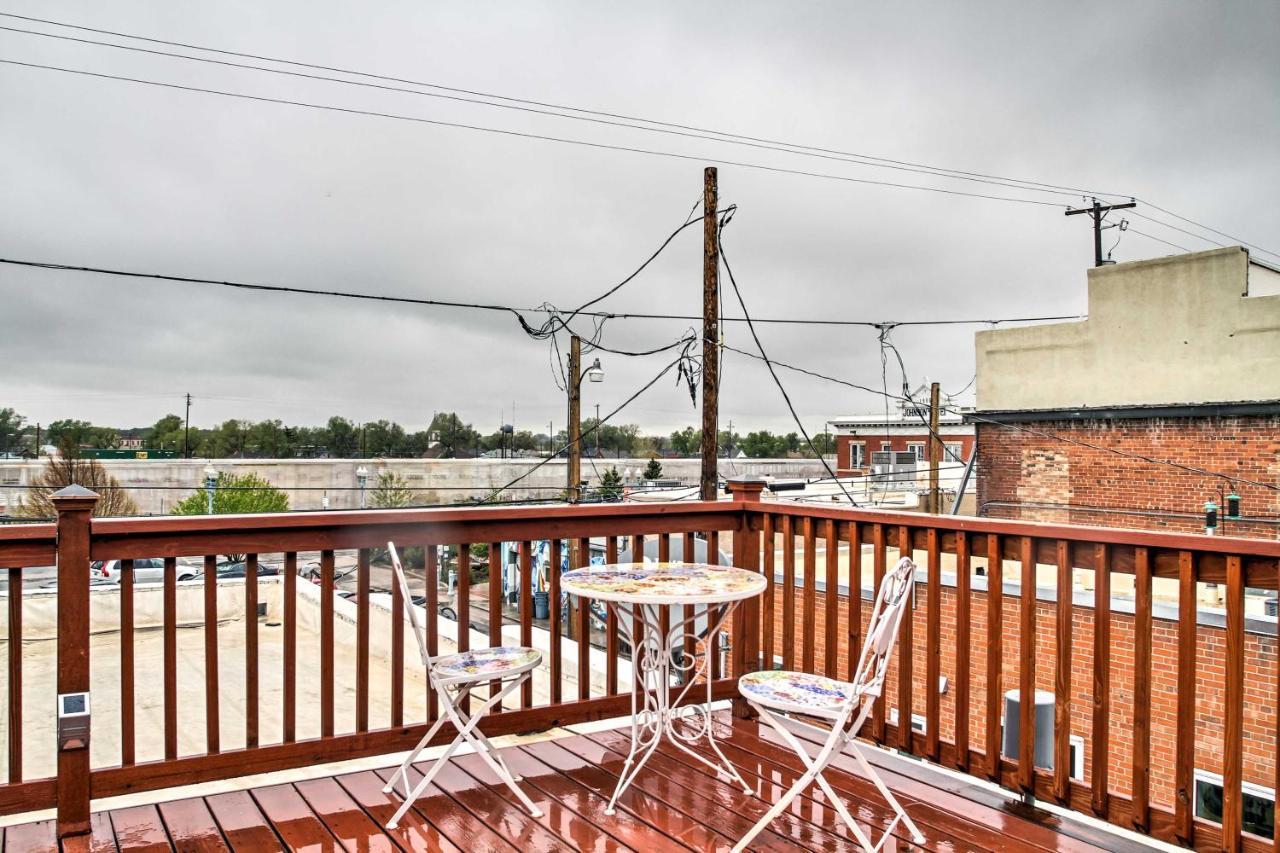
[(453, 677), (846, 704)]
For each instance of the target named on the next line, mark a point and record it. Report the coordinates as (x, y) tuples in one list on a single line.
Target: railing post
[(746, 619), (74, 506)]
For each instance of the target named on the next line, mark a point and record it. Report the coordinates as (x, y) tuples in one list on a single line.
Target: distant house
[(905, 429), (1178, 362)]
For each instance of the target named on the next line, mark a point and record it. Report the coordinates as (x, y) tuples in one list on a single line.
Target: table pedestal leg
[(653, 713)]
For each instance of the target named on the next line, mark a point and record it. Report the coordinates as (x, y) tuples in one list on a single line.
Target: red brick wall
[(1260, 688), (1019, 466)]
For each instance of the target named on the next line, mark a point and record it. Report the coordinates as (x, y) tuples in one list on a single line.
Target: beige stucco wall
[(1181, 329)]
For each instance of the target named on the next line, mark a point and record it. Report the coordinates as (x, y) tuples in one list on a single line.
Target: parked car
[(239, 570), (145, 570)]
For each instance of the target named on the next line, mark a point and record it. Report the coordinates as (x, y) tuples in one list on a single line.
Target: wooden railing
[(1025, 637)]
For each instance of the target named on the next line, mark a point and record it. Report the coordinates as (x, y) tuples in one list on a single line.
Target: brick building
[(1178, 362), (904, 429), (1260, 648)]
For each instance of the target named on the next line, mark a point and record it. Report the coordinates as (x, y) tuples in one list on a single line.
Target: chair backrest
[(409, 607), (892, 601)]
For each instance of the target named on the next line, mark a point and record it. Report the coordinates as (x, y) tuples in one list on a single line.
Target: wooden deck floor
[(675, 804)]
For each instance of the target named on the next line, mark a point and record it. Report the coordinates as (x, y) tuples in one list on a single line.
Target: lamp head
[(595, 373)]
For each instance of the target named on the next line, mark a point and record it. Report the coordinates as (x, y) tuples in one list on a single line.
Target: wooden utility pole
[(710, 335), (575, 419), (935, 450), (1095, 212)]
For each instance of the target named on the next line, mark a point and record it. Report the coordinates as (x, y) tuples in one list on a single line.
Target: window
[(1077, 757), (857, 454), (918, 721), (1259, 803), (916, 447), (955, 451), (886, 445)]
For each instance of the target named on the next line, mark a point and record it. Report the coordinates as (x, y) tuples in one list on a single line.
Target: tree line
[(448, 436)]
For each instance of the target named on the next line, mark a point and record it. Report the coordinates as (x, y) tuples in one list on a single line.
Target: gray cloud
[(1171, 102)]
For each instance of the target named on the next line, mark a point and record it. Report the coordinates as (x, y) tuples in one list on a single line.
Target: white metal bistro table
[(645, 590)]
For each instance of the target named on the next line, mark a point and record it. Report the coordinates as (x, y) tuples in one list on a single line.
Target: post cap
[(745, 488), (73, 497)]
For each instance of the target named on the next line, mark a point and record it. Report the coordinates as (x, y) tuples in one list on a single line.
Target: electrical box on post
[(73, 721)]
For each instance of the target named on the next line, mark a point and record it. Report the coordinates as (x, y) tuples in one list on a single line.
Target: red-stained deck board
[(414, 832), (293, 820), (564, 823), (513, 824), (31, 837), (675, 825), (354, 829), (243, 825), (191, 826), (729, 797), (139, 829), (451, 818)]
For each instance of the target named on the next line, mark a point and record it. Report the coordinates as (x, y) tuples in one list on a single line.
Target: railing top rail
[(367, 517), (27, 544), (1156, 539)]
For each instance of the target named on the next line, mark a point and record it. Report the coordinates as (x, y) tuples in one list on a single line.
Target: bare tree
[(67, 468)]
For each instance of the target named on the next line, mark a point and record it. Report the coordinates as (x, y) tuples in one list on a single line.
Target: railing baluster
[(809, 629), (1027, 667), (584, 627), (15, 675), (1141, 689), (1185, 738), (526, 613), (554, 626), (878, 558), (211, 730), (854, 621), (788, 593), (251, 651), (1062, 677), (326, 645), (362, 640), (906, 654), (289, 656), (462, 608), (637, 626), (397, 652), (767, 615), (128, 751), (664, 616), (611, 623), (496, 575), (995, 653), (1233, 701), (933, 649), (1101, 678), (832, 603), (964, 594), (431, 599)]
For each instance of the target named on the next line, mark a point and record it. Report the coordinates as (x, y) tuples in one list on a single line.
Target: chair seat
[(485, 664), (795, 691)]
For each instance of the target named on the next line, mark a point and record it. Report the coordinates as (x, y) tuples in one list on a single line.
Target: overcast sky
[(1172, 102)]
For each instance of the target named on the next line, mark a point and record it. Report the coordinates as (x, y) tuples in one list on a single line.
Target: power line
[(725, 218), (1207, 228), (480, 306), (526, 135), (596, 116), (579, 113), (1042, 433)]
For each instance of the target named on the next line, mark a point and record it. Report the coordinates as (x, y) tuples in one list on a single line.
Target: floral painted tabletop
[(663, 583)]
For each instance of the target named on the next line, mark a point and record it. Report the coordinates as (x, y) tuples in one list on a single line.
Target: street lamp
[(210, 484), (362, 477)]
